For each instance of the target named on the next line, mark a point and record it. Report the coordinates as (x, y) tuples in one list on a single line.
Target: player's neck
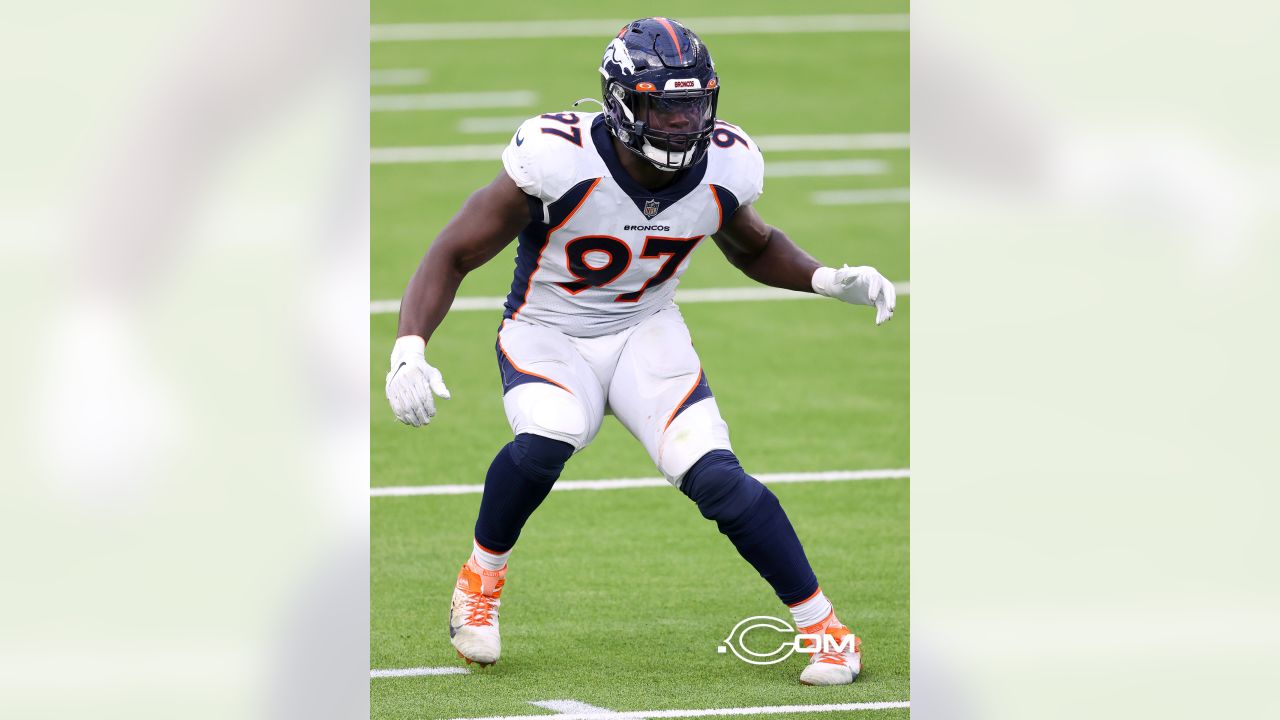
[(640, 170)]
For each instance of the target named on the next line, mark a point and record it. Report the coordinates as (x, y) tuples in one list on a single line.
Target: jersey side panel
[(535, 239)]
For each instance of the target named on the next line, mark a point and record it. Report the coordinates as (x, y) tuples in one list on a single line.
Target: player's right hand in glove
[(412, 383), (858, 286)]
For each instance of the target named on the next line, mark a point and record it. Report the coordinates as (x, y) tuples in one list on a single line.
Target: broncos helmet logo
[(618, 55)]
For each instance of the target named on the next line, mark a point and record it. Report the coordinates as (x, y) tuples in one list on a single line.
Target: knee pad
[(542, 409), (538, 458), (723, 491), (692, 435)]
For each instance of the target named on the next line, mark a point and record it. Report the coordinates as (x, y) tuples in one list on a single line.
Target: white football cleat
[(473, 617), (833, 667)]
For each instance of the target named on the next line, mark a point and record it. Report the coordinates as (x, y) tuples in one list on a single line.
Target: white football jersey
[(601, 252)]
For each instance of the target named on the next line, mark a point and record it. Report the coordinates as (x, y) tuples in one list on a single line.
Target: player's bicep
[(487, 222), (743, 237)]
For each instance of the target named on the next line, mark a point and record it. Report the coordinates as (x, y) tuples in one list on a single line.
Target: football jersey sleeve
[(543, 157), (736, 163), (521, 159)]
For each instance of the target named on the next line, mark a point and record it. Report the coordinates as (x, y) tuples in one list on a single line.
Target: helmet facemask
[(670, 129)]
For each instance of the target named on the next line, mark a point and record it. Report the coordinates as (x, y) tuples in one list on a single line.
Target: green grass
[(619, 598)]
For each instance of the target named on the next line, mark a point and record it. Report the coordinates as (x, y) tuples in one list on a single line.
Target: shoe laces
[(481, 606), (480, 609), (831, 656)]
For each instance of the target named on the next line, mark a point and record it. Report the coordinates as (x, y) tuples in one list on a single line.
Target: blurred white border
[(185, 449), (185, 266), (1093, 356)]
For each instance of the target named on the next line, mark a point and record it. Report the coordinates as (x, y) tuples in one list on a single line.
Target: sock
[(812, 611), (749, 514), (487, 559), (519, 479)]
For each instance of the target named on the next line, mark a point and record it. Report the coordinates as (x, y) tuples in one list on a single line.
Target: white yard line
[(767, 143), (493, 125), (418, 671), (854, 141), (686, 297), (462, 304), (871, 196), (824, 168), (398, 76), (452, 101), (435, 154), (715, 712), (573, 707), (706, 27), (626, 483)]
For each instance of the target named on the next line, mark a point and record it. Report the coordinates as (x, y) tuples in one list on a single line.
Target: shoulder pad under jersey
[(551, 153), (734, 163)]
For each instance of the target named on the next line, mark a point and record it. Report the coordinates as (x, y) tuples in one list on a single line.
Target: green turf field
[(619, 598)]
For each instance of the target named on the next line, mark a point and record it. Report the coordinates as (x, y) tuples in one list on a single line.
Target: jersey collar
[(666, 197)]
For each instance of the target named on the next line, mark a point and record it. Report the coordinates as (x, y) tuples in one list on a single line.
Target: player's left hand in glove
[(859, 286), (412, 383)]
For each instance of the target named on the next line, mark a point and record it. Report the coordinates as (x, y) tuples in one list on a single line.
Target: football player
[(607, 207)]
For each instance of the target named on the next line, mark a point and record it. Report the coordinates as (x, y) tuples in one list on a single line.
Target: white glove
[(411, 382), (859, 286)]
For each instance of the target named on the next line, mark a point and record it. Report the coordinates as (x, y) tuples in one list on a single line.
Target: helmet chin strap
[(659, 157)]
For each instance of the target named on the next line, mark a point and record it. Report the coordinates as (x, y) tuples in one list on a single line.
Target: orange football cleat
[(473, 616), (839, 661)]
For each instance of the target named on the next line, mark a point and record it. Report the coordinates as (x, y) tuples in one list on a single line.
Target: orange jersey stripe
[(696, 382), (528, 288), (507, 355), (719, 208)]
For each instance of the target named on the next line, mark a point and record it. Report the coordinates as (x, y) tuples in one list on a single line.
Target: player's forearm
[(781, 264), (429, 295)]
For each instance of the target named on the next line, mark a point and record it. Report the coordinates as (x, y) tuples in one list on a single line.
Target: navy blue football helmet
[(660, 90)]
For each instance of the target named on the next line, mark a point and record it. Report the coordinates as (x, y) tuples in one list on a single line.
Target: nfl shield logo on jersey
[(650, 208)]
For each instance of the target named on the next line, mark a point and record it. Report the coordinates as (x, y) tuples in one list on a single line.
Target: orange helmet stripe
[(672, 32)]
